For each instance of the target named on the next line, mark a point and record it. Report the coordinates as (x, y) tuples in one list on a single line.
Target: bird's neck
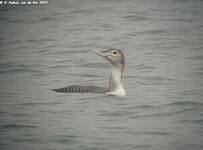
[(116, 86)]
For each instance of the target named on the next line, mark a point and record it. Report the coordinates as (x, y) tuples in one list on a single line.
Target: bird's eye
[(114, 52)]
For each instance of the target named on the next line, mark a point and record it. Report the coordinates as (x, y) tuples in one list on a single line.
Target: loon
[(117, 60)]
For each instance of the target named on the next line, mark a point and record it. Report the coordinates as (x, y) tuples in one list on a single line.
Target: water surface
[(50, 46)]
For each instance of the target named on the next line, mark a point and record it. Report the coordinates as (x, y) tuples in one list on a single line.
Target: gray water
[(50, 46)]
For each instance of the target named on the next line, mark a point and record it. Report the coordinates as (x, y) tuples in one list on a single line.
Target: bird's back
[(81, 89)]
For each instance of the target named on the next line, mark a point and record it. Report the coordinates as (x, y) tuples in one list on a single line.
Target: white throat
[(115, 86)]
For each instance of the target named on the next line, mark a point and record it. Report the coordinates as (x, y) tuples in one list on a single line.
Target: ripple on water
[(17, 126), (141, 107), (161, 133), (152, 32), (27, 139), (186, 103), (93, 65), (40, 103), (199, 57), (45, 19), (68, 52), (133, 18), (162, 114), (84, 75), (193, 121), (64, 139), (14, 67), (21, 70), (88, 12)]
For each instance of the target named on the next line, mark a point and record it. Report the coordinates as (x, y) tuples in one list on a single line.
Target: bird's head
[(115, 56)]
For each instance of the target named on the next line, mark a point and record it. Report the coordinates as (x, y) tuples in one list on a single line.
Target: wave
[(135, 18), (21, 70), (93, 65), (155, 132), (186, 103), (40, 103), (196, 121), (17, 126), (162, 114)]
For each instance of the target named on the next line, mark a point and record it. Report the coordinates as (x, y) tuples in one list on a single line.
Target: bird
[(116, 58)]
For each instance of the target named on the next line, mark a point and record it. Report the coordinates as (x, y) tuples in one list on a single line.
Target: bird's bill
[(101, 52)]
